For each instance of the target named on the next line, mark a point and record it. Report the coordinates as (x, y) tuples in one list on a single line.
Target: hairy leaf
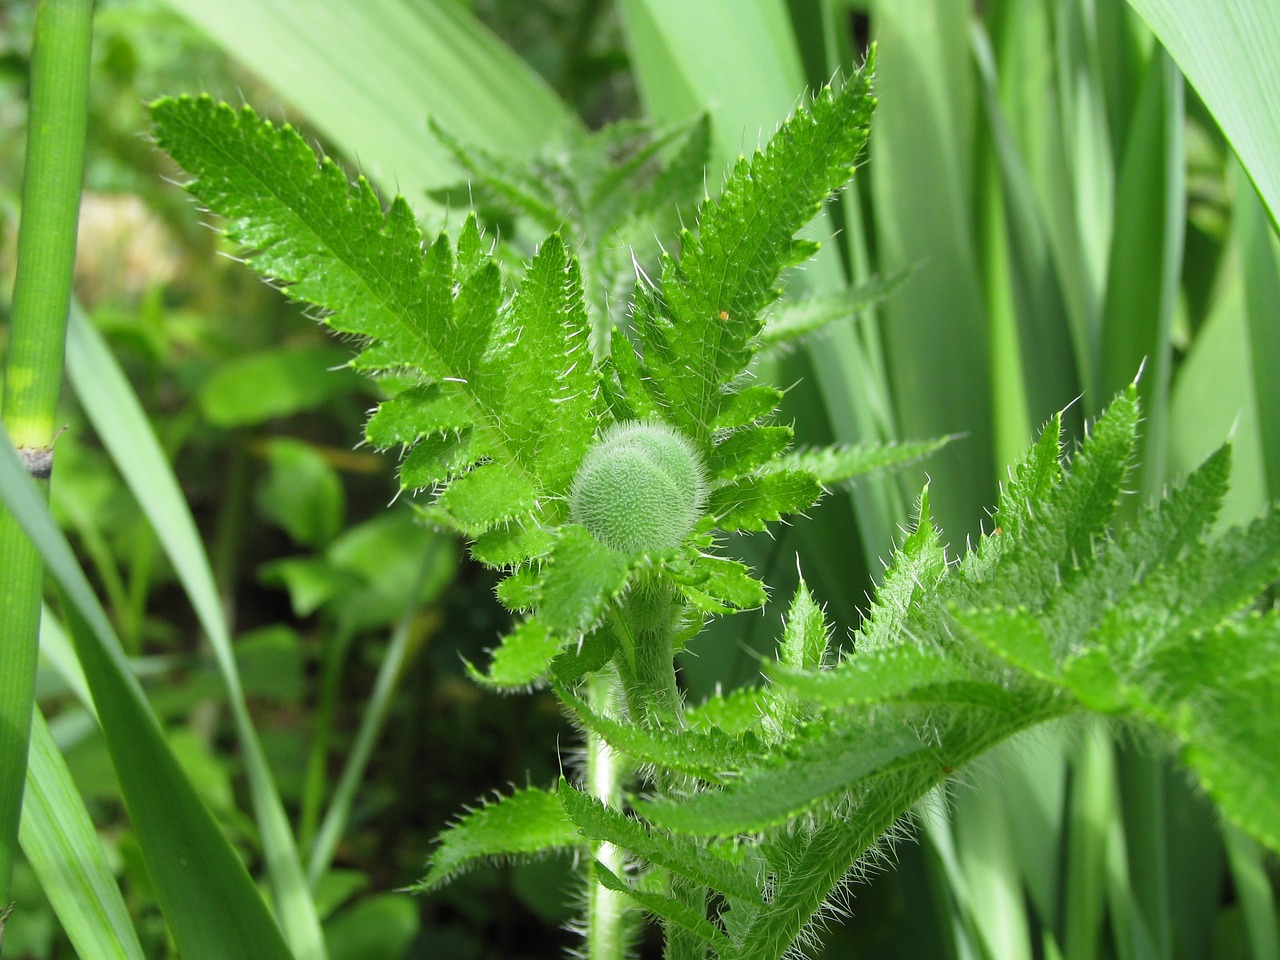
[(528, 822)]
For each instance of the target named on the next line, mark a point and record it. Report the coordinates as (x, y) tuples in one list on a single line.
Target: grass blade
[(1228, 53), (367, 75), (62, 846), (122, 426), (209, 900)]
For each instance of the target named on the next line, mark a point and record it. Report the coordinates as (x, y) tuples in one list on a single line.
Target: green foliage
[(758, 804)]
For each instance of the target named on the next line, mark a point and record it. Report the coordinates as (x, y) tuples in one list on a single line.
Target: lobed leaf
[(713, 296), (751, 502), (526, 823)]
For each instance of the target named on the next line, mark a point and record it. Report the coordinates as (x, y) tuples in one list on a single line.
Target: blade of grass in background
[(123, 428), (1260, 262), (60, 842), (1228, 53), (210, 903), (922, 170), (367, 75)]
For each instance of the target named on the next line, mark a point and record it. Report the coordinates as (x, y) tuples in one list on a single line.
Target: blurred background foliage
[(1061, 207)]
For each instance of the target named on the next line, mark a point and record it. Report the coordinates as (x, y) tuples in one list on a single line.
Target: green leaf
[(598, 822), (526, 823), (874, 676), (523, 657), (805, 635), (747, 406), (1017, 637), (1211, 690), (209, 912), (824, 762), (488, 496), (706, 754), (913, 575), (436, 459), (542, 360), (582, 578), (417, 412), (302, 493), (712, 298), (836, 465), (274, 383), (745, 450), (721, 586), (751, 502), (62, 845)]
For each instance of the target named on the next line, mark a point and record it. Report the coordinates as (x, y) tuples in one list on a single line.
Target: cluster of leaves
[(1052, 614), (763, 800), (496, 397)]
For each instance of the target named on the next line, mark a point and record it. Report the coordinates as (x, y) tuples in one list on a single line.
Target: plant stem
[(606, 909), (33, 367)]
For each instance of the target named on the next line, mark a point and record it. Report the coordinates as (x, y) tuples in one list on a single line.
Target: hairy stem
[(606, 909), (33, 367)]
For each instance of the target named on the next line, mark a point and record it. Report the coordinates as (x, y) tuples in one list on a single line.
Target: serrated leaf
[(712, 297), (737, 712), (526, 823), (805, 634), (417, 412), (917, 568), (825, 762), (746, 406), (789, 322), (521, 590), (874, 676), (745, 450), (486, 497), (1017, 637), (541, 363), (581, 578), (836, 465), (751, 502), (705, 754), (523, 657), (439, 458), (1216, 692), (509, 545), (720, 586), (598, 822)]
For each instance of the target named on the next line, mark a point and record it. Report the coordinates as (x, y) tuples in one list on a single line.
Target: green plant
[(753, 807)]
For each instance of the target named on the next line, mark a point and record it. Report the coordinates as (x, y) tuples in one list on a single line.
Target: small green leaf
[(750, 503), (747, 406), (302, 493), (275, 383), (487, 496), (805, 635), (439, 458), (836, 465), (528, 822), (666, 908), (508, 545), (722, 586), (705, 754), (581, 579), (418, 412), (745, 450), (1017, 637), (523, 657)]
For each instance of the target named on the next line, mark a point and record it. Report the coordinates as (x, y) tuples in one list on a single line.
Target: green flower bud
[(640, 488)]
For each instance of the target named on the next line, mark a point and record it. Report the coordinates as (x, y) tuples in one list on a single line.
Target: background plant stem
[(33, 367)]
